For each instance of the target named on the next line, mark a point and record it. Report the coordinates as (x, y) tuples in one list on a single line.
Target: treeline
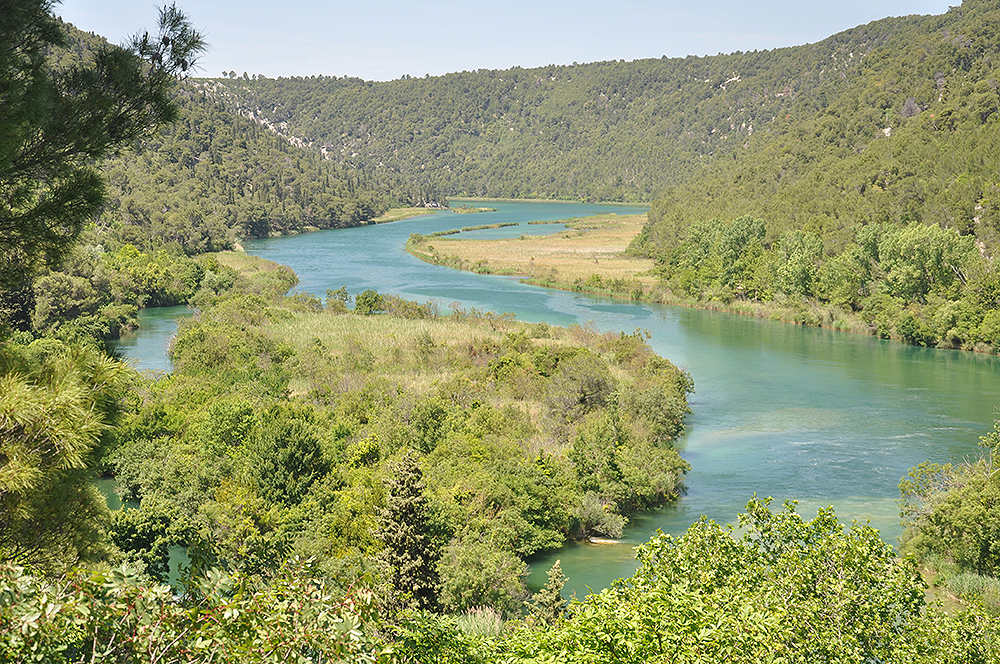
[(213, 177), (921, 284), (927, 153), (601, 131), (877, 213), (625, 131)]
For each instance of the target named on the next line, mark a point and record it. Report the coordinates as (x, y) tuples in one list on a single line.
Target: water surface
[(146, 348), (780, 410)]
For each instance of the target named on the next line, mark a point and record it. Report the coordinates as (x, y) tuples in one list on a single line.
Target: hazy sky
[(384, 39)]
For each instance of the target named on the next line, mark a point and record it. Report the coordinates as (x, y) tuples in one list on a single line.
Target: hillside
[(214, 176), (912, 137), (610, 130)]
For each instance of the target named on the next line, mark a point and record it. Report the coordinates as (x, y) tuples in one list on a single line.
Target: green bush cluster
[(924, 285), (275, 436), (952, 517)]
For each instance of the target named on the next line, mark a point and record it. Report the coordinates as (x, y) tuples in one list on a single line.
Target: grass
[(589, 258), (974, 587), (415, 357), (483, 622), (414, 354), (569, 259), (261, 275), (398, 214), (247, 264)]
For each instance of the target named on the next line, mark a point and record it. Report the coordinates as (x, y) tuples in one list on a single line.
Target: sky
[(386, 39)]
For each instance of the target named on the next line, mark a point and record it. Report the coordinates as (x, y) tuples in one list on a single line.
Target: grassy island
[(588, 257), (469, 209)]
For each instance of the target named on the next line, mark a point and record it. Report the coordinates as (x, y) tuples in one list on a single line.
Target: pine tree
[(57, 122), (548, 604), (410, 556)]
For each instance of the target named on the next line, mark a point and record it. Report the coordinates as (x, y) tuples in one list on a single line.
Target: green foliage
[(101, 291), (228, 425), (57, 120), (338, 300), (783, 590), (547, 605), (952, 512), (581, 384), (625, 130), (596, 515), (921, 284), (475, 572), (108, 618), (369, 302), (57, 403), (409, 555), (425, 638), (286, 456), (145, 535), (496, 493), (279, 430)]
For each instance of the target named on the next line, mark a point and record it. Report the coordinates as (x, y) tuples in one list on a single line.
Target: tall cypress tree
[(548, 605), (410, 556)]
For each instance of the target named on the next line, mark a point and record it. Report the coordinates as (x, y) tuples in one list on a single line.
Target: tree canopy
[(58, 121)]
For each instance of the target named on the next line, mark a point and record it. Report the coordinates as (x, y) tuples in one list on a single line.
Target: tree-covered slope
[(214, 176), (609, 130), (912, 136), (880, 211)]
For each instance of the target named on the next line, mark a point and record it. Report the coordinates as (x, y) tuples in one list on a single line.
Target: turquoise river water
[(824, 417)]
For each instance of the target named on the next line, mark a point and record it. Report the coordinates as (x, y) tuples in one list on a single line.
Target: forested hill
[(623, 130), (911, 135), (215, 176)]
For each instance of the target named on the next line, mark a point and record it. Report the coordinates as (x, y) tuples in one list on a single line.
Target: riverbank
[(590, 257), (587, 257), (399, 214), (540, 200), (393, 214)]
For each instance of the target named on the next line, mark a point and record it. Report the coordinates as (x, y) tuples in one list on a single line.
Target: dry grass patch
[(594, 245), (398, 214), (247, 264)]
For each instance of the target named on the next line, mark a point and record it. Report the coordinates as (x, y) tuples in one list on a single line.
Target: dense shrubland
[(367, 485), (526, 435), (784, 590), (953, 523), (794, 136)]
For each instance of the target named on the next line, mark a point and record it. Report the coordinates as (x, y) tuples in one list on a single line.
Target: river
[(824, 417)]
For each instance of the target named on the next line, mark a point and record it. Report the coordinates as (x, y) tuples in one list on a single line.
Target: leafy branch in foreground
[(783, 590)]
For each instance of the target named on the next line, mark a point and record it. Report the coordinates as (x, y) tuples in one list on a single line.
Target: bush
[(368, 302)]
